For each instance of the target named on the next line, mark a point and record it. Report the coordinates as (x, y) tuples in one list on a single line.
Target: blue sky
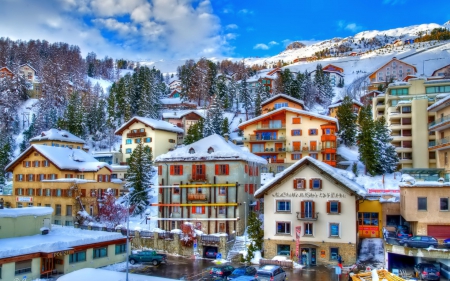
[(181, 29)]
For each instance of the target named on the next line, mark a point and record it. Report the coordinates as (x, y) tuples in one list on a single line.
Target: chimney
[(226, 137)]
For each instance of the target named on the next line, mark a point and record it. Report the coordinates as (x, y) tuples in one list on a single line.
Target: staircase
[(238, 246)]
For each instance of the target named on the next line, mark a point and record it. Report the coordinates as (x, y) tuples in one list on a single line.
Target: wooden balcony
[(330, 162), (196, 197), (328, 138), (264, 139), (136, 135), (197, 177), (308, 216)]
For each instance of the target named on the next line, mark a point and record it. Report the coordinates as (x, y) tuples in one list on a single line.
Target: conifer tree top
[(58, 135), (153, 123), (339, 102), (213, 147)]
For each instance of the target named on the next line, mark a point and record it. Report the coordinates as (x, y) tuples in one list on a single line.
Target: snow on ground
[(266, 177), (30, 211), (105, 84), (25, 109), (102, 274)]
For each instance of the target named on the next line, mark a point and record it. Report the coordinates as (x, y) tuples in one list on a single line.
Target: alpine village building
[(310, 212), (151, 132), (56, 172), (210, 183), (285, 135)]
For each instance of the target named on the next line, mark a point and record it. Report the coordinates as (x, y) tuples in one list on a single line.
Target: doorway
[(308, 257), (47, 265)]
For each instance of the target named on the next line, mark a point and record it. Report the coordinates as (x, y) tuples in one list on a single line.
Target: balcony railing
[(443, 141), (210, 239), (264, 138), (136, 135), (307, 216), (272, 126), (272, 161), (196, 196), (198, 177), (439, 121)]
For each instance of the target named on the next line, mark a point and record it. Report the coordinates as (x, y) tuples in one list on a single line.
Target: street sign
[(219, 256), (338, 270)]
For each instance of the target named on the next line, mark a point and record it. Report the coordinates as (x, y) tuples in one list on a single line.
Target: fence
[(165, 235), (210, 239), (289, 264), (147, 234)]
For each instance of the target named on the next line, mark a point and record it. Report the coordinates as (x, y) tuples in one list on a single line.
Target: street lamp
[(128, 226)]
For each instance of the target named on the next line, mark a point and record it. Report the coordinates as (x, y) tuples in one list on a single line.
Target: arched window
[(191, 151), (210, 150)]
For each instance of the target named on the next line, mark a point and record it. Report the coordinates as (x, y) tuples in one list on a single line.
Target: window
[(36, 163), (30, 177), (68, 210), (19, 205), (176, 209), (137, 141), (316, 184), (443, 204), (68, 223), (45, 163), (399, 92), (330, 156), (280, 169), (438, 89), (299, 183), (22, 267), (368, 219), (19, 177), (100, 253), (312, 132), (48, 192), (77, 257), (281, 104), (27, 164), (121, 248), (334, 230), (421, 203), (327, 131), (128, 141), (176, 170), (222, 169), (222, 190), (198, 209), (406, 109), (283, 227), (296, 120), (30, 192), (283, 250), (333, 207), (334, 253), (58, 192), (30, 204), (313, 155), (283, 205), (258, 147), (296, 156), (171, 140), (57, 210), (296, 132), (128, 151), (176, 189), (191, 151), (141, 130), (147, 140), (80, 177), (222, 210), (308, 229)]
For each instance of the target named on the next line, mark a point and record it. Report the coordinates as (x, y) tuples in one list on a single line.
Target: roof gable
[(279, 96), (58, 135), (27, 64), (332, 67), (446, 66), (152, 123), (7, 69), (393, 59)]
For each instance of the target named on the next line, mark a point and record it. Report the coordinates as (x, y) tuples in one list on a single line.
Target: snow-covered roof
[(222, 150), (286, 97), (30, 211), (294, 110), (439, 105), (153, 123), (424, 184), (57, 135), (103, 274), (180, 113), (59, 238), (339, 102), (27, 64), (322, 166), (63, 157)]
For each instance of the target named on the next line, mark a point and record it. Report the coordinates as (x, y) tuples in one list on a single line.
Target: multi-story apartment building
[(310, 212), (405, 108), (210, 183), (59, 138), (285, 135), (394, 69), (282, 100), (63, 178), (150, 131)]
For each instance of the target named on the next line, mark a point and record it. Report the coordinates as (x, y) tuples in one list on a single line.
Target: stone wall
[(346, 250)]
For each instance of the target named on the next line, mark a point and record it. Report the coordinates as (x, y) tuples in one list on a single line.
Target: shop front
[(308, 254), (50, 261)]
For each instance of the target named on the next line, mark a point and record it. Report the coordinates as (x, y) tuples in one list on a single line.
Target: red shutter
[(204, 169), (203, 209), (32, 164), (246, 169), (181, 169), (257, 205), (160, 190), (257, 171), (23, 163), (292, 156), (34, 177), (295, 183), (53, 192), (339, 207), (227, 169), (43, 163), (160, 170), (320, 184), (300, 132), (313, 209), (328, 207), (45, 176), (252, 189), (310, 184), (194, 171), (83, 193), (98, 178), (17, 177), (292, 132), (171, 170), (217, 169), (302, 209), (193, 209)]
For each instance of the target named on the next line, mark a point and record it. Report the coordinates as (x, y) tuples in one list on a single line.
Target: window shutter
[(23, 163), (252, 188), (313, 204), (339, 207), (83, 193), (300, 132), (45, 176), (320, 183), (17, 177), (193, 209), (181, 169), (53, 192), (38, 163), (257, 170), (295, 183), (217, 169), (16, 191), (302, 209), (292, 156), (171, 170), (310, 183), (98, 178), (246, 187), (33, 177), (64, 193), (43, 163), (292, 132), (328, 207), (116, 192), (33, 164), (194, 170), (203, 209), (160, 170), (56, 176), (204, 169), (246, 169), (227, 169)]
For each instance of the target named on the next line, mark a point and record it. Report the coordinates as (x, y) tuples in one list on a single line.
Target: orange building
[(6, 72), (282, 100)]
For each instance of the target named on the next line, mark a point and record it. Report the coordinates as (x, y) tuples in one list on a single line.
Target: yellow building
[(333, 108), (151, 132), (59, 138), (405, 108), (63, 178), (285, 135)]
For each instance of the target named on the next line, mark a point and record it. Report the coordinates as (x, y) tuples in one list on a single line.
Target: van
[(270, 273)]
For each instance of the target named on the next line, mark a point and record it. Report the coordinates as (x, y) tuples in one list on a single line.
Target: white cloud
[(231, 26), (394, 2), (349, 26), (273, 43), (159, 29), (227, 11), (245, 12), (261, 46)]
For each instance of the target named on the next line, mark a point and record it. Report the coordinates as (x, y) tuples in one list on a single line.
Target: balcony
[(439, 122), (272, 161), (136, 135), (264, 138), (197, 177), (439, 143), (272, 126), (270, 150), (308, 216), (332, 163), (196, 197)]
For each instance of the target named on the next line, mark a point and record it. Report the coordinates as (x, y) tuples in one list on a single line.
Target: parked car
[(270, 273), (419, 241), (403, 233), (284, 253), (242, 271), (245, 278), (221, 270), (426, 271), (391, 237), (147, 256), (211, 253), (402, 227), (446, 243)]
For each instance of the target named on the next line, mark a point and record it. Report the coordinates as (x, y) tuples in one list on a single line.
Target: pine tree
[(138, 176), (245, 97), (258, 101), (74, 116), (387, 158), (233, 90), (214, 122), (347, 122), (222, 93), (240, 132), (255, 230), (6, 156), (366, 140), (225, 127), (195, 132)]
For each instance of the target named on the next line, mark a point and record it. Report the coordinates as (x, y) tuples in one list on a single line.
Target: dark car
[(222, 270), (419, 241), (403, 234), (426, 271), (242, 271), (402, 227), (446, 243), (211, 253)]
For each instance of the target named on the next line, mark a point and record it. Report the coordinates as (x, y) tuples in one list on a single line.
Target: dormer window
[(191, 151), (210, 150)]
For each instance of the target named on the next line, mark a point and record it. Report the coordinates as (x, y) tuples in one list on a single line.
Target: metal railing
[(437, 142), (272, 126), (305, 216), (439, 121), (264, 138), (147, 234), (210, 239), (165, 235), (136, 135)]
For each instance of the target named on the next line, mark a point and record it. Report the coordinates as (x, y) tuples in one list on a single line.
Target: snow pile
[(408, 179), (153, 123), (102, 274), (58, 135), (29, 211), (371, 252), (266, 177)]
